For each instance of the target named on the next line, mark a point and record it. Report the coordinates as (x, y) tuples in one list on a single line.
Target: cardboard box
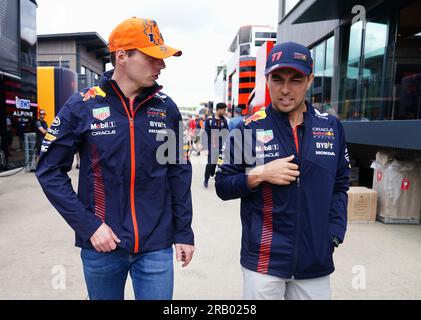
[(398, 185), (362, 204)]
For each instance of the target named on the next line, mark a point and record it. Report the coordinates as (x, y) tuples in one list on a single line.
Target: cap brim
[(297, 67), (160, 52)]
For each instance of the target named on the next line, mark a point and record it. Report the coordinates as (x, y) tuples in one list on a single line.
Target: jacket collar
[(106, 84), (283, 116)]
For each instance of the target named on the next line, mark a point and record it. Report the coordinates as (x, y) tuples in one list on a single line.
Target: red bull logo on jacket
[(259, 115), (92, 93)]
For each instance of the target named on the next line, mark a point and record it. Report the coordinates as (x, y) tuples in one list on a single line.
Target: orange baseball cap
[(143, 35)]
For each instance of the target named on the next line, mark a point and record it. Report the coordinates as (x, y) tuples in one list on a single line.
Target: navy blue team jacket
[(146, 203), (287, 230)]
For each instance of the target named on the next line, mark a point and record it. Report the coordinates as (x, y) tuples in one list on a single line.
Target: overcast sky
[(202, 29)]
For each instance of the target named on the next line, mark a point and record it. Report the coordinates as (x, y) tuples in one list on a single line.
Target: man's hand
[(280, 172), (104, 239), (184, 253)]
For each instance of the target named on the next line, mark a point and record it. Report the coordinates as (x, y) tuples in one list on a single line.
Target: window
[(245, 50), (363, 72), (350, 104), (289, 5), (319, 66), (320, 93), (259, 43), (87, 77), (82, 82), (270, 35), (245, 35), (9, 41), (372, 73), (406, 86), (328, 74)]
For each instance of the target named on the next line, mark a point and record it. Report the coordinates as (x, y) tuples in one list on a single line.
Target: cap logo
[(276, 56), (300, 56), (151, 30)]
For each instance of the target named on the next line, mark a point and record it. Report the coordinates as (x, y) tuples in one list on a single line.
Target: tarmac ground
[(39, 261)]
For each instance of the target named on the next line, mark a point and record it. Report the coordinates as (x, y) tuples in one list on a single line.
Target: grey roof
[(91, 40)]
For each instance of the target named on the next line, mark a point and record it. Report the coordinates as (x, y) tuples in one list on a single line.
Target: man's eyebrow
[(298, 75), (294, 76)]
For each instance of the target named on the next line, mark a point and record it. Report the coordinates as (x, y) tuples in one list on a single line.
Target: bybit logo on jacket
[(325, 148), (324, 145), (157, 124), (158, 127)]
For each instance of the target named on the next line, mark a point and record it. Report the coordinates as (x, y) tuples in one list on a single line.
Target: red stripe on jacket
[(99, 190), (267, 230)]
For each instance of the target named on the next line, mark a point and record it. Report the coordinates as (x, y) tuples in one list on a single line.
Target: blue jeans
[(106, 273)]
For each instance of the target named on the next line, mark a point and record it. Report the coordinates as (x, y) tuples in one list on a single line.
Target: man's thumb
[(290, 158), (116, 239)]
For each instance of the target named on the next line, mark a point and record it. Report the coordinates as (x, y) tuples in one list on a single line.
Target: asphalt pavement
[(39, 261)]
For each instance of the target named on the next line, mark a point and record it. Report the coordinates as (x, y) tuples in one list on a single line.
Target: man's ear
[(310, 81), (120, 57)]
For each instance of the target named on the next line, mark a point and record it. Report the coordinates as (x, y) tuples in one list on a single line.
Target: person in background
[(214, 128), (238, 118), (41, 130)]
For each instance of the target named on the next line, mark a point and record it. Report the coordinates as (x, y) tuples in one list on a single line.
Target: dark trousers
[(209, 171), (213, 155)]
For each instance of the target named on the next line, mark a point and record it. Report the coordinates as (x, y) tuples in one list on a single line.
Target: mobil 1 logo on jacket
[(100, 126)]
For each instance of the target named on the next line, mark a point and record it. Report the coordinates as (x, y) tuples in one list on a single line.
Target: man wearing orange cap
[(130, 207)]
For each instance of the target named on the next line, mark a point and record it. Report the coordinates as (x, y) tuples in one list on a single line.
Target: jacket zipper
[(297, 147), (133, 177), (131, 114)]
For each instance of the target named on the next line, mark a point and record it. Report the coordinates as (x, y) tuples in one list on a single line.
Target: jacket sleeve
[(57, 152), (338, 207), (231, 177), (180, 177)]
